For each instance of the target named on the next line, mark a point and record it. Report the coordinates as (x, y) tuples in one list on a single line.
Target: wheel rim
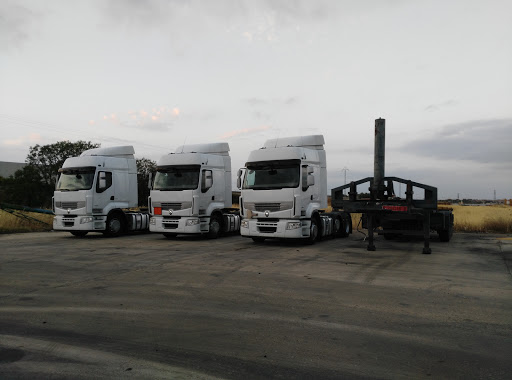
[(337, 226), (313, 233), (115, 225), (215, 226)]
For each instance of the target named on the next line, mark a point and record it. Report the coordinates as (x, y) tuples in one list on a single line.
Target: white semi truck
[(191, 192), (95, 191), (284, 192)]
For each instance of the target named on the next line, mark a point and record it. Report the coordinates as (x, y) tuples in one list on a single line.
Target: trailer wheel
[(78, 233), (258, 239), (347, 222), (338, 227), (444, 235), (214, 227), (115, 225), (313, 232), (170, 235)]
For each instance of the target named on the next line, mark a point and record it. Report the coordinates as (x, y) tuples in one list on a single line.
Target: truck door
[(207, 191), (104, 191)]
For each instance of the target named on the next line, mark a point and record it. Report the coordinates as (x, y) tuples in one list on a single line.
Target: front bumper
[(179, 225), (275, 229), (79, 223)]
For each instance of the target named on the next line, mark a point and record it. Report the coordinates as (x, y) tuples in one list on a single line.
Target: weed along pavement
[(143, 306)]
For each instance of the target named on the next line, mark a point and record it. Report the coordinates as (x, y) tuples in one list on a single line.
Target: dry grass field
[(25, 222), (482, 218), (497, 219)]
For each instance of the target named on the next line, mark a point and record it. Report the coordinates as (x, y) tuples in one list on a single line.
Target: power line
[(17, 120)]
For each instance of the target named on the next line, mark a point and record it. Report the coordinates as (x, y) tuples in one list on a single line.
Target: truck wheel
[(313, 232), (214, 227), (347, 221), (337, 227), (258, 239), (444, 235), (170, 235), (115, 225), (78, 233)]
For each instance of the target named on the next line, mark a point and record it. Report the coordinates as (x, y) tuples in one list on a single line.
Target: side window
[(206, 180), (104, 181), (304, 176)]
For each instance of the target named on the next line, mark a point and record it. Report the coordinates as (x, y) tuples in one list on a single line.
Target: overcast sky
[(159, 73)]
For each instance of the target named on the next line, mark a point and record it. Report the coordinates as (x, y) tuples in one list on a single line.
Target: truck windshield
[(268, 175), (172, 178), (74, 179)]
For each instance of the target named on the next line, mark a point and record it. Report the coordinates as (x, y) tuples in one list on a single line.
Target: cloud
[(31, 138), (15, 23), (436, 107), (244, 131), (482, 141), (258, 102)]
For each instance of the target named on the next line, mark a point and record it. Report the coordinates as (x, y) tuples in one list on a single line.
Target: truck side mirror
[(207, 180), (239, 179), (150, 181)]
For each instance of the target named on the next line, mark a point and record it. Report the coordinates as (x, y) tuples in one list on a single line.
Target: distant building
[(9, 168)]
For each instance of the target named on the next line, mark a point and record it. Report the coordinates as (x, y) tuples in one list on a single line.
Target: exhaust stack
[(379, 159)]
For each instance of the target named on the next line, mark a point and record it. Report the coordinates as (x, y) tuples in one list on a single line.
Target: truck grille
[(70, 205), (170, 224), (266, 227), (173, 205), (268, 206)]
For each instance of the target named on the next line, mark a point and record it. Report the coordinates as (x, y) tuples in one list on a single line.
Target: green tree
[(48, 159), (26, 188), (145, 166), (33, 185)]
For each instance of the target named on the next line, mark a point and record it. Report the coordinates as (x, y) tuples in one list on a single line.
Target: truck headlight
[(85, 219), (293, 225), (192, 222), (244, 223), (152, 221)]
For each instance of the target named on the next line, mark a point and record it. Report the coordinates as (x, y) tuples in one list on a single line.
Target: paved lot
[(142, 306)]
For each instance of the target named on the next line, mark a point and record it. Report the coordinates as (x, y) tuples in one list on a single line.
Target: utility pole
[(344, 170)]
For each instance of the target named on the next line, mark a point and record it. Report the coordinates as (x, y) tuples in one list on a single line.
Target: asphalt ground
[(143, 306)]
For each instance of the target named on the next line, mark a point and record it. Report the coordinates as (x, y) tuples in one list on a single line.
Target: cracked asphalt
[(143, 306)]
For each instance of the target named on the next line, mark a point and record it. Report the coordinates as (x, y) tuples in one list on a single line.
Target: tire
[(347, 222), (258, 239), (313, 232), (79, 233), (214, 227), (337, 227), (115, 225), (170, 235), (444, 235)]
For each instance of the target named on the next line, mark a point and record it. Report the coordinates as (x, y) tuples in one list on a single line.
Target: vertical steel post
[(426, 232), (379, 158), (371, 222)]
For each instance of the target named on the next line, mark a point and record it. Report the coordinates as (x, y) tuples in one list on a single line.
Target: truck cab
[(94, 191), (191, 192), (284, 190)]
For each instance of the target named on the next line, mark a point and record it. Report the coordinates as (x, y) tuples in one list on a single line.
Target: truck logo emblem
[(267, 213), (170, 211), (69, 210)]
